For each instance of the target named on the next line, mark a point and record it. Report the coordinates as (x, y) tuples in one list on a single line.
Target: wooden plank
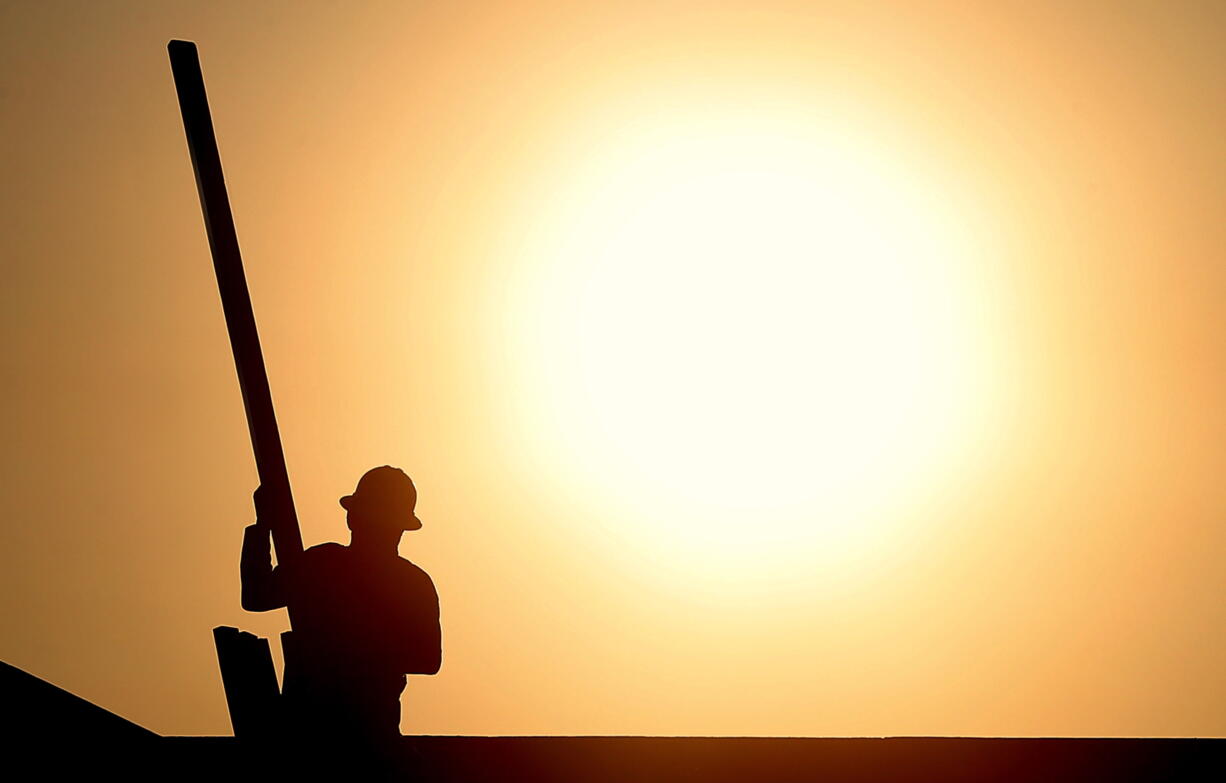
[(235, 299), (250, 682)]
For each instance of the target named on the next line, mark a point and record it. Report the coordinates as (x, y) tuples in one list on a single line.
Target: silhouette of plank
[(235, 299), (250, 682)]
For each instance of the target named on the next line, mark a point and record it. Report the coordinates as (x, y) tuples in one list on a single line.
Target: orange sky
[(397, 173)]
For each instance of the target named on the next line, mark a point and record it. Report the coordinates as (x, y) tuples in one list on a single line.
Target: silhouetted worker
[(363, 616)]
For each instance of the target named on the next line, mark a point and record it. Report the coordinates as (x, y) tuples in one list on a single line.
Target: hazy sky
[(764, 368)]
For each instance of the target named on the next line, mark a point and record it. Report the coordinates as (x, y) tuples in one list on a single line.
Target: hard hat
[(386, 490)]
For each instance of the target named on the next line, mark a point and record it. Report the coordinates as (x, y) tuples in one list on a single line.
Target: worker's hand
[(263, 508)]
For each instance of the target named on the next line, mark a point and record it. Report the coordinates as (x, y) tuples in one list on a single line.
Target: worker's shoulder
[(323, 553), (325, 549), (410, 571)]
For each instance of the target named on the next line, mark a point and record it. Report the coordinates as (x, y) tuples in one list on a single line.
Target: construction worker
[(363, 616)]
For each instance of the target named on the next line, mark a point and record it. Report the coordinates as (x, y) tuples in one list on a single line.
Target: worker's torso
[(350, 614)]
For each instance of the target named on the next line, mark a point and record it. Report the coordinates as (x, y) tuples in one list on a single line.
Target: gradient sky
[(395, 171)]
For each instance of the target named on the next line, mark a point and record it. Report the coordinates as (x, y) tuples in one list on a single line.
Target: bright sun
[(750, 339)]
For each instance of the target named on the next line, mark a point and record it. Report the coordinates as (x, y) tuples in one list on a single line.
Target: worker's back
[(361, 623)]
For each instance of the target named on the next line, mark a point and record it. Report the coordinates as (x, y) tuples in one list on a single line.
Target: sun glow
[(747, 341)]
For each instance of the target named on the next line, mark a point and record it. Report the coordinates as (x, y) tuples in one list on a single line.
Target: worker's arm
[(263, 586), (432, 646), (422, 652)]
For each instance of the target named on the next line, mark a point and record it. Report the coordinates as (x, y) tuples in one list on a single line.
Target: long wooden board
[(235, 299)]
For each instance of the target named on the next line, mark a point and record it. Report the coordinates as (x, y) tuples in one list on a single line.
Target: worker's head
[(383, 504)]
